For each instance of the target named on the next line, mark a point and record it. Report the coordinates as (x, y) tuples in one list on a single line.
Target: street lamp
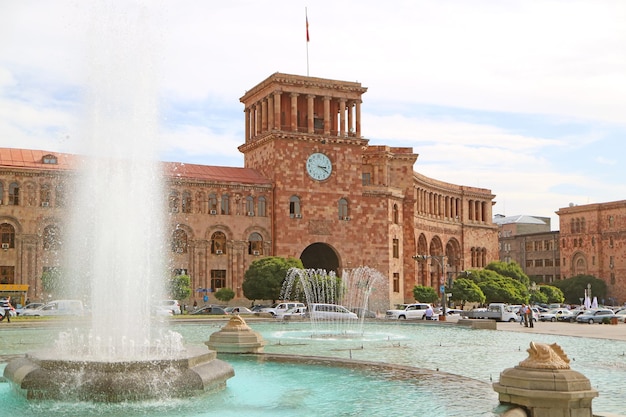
[(441, 260)]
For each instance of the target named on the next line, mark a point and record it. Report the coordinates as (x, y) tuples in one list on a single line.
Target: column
[(358, 118), (294, 112), (263, 115), (247, 122), (270, 112), (350, 118), (342, 117), (277, 118), (310, 115), (327, 115)]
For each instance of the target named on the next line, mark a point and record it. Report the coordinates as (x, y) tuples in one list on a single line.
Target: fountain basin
[(48, 375)]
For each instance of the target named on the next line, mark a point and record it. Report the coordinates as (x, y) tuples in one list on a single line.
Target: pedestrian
[(529, 314), (5, 305), (428, 314)]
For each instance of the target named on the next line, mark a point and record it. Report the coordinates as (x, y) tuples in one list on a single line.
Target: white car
[(318, 311), (30, 306), (279, 308), (410, 311), (296, 312), (554, 314), (170, 304), (58, 308)]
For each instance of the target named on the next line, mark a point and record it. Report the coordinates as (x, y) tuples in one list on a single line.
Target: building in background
[(312, 187)]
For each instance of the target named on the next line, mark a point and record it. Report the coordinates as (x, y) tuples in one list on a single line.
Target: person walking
[(5, 305), (529, 316)]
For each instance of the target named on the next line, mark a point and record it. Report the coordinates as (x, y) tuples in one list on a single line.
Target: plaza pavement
[(598, 331)]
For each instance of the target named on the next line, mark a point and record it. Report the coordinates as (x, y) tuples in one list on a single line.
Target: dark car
[(363, 313), (210, 310)]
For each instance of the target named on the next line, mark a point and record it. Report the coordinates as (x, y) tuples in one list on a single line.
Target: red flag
[(307, 28)]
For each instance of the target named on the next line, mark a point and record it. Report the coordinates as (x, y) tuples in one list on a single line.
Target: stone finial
[(544, 356), (236, 323)]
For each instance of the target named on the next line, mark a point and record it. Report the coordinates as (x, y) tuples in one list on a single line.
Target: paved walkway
[(599, 331)]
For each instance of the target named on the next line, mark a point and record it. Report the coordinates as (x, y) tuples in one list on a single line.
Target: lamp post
[(441, 260)]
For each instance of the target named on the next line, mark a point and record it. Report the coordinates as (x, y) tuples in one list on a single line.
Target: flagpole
[(306, 18)]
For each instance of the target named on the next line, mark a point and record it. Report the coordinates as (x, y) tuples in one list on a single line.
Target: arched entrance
[(320, 256)]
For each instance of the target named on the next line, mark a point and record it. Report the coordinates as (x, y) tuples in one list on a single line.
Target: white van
[(58, 308), (330, 312)]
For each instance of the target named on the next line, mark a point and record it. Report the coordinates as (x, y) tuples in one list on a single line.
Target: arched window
[(173, 202), (14, 194), (294, 207), (51, 238), (212, 203), (255, 244), (261, 207), (218, 243), (225, 204), (342, 209), (250, 205), (179, 241), (187, 202), (7, 236), (395, 214)]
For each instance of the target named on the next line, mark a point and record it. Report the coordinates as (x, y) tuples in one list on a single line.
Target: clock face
[(319, 166)]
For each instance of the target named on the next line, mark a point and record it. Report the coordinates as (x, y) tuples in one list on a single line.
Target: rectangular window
[(366, 178), (396, 248), (218, 279), (529, 246), (548, 262), (396, 282), (538, 262), (529, 263)]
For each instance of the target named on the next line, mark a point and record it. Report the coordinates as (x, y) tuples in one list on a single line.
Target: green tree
[(52, 283), (225, 294), (505, 290), (425, 294), (465, 290), (179, 287), (574, 288), (511, 270), (552, 293), (264, 278), (537, 297)]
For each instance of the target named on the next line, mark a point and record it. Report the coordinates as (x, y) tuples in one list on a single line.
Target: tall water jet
[(352, 290), (116, 259)]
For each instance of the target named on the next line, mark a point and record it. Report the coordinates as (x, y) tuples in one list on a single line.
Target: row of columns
[(266, 115), (442, 206)]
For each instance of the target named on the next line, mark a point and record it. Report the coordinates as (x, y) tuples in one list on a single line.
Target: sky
[(524, 98)]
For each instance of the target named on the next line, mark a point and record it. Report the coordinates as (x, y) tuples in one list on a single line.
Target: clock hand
[(323, 168)]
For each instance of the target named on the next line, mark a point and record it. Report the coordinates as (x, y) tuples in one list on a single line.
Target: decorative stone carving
[(544, 356)]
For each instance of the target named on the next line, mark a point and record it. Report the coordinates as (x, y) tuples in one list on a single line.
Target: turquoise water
[(268, 388)]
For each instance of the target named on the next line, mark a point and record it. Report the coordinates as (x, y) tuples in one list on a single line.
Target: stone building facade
[(593, 242), (311, 187), (528, 241)]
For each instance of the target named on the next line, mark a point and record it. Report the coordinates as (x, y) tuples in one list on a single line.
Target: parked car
[(363, 313), (172, 305), (621, 315), (595, 315), (296, 312), (553, 314), (30, 306), (282, 307), (238, 310), (410, 311), (58, 308), (572, 318), (161, 311), (210, 310), (319, 311)]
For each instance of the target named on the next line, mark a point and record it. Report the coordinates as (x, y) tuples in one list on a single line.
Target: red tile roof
[(27, 158)]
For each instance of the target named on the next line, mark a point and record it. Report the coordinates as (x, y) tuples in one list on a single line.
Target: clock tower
[(304, 134)]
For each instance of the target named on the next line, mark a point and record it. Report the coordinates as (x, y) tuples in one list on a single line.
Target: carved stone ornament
[(236, 323), (544, 356)]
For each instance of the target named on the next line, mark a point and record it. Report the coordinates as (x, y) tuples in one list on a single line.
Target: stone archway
[(320, 256)]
